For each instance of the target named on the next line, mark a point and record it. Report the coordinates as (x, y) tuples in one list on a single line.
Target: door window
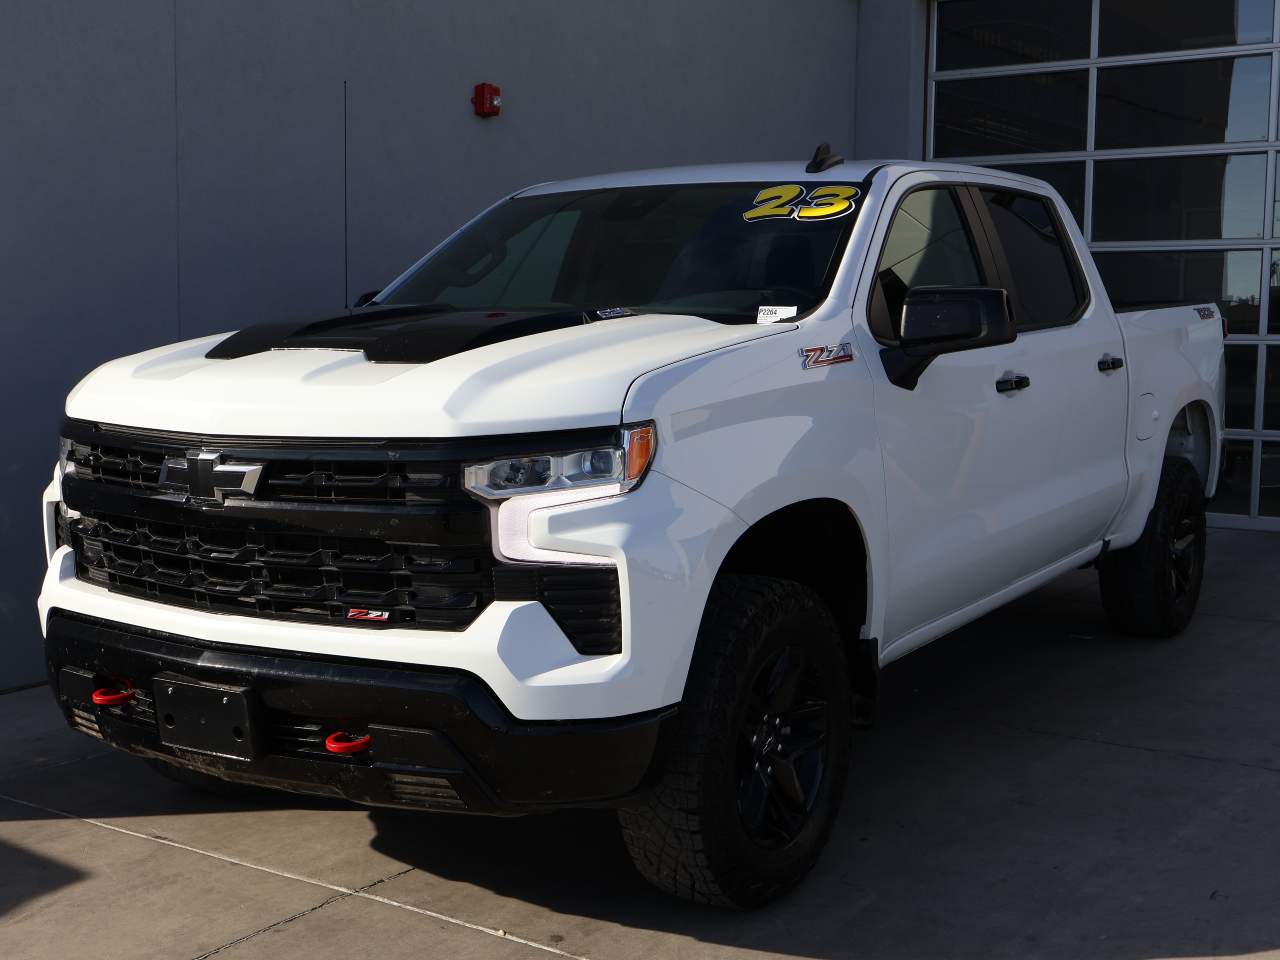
[(1048, 290), (928, 245)]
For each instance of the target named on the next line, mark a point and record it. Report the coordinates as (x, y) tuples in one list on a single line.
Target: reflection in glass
[(1269, 495), (1149, 26), (1179, 198), (996, 33), (1066, 178), (1233, 280), (1242, 386), (1194, 101), (1235, 483), (993, 116)]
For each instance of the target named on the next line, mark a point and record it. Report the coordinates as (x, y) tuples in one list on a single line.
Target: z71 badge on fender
[(825, 356)]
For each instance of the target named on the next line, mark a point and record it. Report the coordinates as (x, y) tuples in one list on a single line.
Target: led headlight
[(621, 466)]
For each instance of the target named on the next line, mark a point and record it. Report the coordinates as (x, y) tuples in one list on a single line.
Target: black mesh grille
[(284, 574)]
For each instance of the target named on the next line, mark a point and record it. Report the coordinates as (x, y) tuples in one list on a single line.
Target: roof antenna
[(823, 159)]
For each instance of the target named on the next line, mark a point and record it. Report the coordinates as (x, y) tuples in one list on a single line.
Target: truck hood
[(576, 376)]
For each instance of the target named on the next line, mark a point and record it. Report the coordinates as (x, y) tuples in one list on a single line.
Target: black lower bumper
[(438, 739)]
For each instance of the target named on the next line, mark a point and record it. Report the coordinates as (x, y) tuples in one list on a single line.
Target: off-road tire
[(1151, 588), (688, 836)]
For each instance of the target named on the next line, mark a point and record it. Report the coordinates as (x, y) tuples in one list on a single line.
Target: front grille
[(326, 530), (284, 573)]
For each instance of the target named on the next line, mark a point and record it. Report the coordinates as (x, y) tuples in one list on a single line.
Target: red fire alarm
[(487, 100)]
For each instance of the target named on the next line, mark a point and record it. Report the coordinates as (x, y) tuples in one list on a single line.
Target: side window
[(928, 245), (1049, 289)]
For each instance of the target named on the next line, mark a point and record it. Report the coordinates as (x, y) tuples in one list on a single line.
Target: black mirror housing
[(940, 320)]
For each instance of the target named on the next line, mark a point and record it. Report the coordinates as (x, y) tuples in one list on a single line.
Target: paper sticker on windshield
[(789, 201), (772, 314)]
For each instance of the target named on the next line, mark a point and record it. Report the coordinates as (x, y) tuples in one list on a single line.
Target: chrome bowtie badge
[(203, 476)]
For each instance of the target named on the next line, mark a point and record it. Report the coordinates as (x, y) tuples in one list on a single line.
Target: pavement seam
[(298, 916), (361, 893)]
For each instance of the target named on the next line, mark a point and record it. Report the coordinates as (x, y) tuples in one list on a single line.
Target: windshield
[(721, 251)]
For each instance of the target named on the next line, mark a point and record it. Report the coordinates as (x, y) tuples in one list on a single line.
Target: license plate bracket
[(204, 717)]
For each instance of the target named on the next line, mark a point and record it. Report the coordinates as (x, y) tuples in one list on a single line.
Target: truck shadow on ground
[(1036, 786)]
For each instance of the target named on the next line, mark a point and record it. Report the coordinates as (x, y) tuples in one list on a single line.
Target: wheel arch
[(822, 544), (1192, 436)]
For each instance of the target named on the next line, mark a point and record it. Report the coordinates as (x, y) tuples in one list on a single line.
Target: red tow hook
[(342, 742), (111, 696)]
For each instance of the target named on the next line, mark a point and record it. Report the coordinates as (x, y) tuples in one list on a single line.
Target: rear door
[(1072, 353)]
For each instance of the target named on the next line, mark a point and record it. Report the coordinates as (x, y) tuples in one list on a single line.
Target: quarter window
[(928, 245), (1048, 290)]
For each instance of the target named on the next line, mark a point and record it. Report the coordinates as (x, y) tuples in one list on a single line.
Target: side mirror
[(939, 320), (365, 298)]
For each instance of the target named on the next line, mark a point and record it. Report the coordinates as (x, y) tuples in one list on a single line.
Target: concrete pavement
[(1036, 787)]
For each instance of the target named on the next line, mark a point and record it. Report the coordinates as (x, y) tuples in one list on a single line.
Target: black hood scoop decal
[(407, 334)]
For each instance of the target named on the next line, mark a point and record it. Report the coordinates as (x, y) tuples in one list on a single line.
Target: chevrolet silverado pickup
[(621, 497)]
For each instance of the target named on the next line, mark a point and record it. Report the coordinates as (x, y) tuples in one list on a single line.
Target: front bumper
[(440, 738)]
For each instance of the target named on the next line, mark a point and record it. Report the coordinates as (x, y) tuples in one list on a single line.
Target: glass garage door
[(1157, 121)]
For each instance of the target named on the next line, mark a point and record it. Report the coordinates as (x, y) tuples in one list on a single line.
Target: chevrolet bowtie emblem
[(203, 476)]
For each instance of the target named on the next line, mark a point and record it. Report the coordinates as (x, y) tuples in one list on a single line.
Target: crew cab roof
[(851, 171)]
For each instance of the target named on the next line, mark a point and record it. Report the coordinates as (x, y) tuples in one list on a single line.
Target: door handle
[(1109, 363), (1012, 383)]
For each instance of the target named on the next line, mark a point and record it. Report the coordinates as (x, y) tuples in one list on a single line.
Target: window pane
[(1235, 484), (1179, 198), (1242, 385), (1269, 495), (1271, 391), (1148, 26), (1233, 280), (1196, 101), (1043, 274), (928, 245), (1066, 178), (995, 33), (1022, 114)]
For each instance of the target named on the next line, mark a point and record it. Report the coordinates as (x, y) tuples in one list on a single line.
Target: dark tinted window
[(715, 250), (1179, 198), (1195, 101), (1269, 495), (1020, 114), (1066, 178), (995, 33), (1048, 291), (1136, 281), (1242, 386), (1148, 26), (928, 245), (1271, 391)]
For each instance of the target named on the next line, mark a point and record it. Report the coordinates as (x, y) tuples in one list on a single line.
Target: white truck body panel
[(964, 498)]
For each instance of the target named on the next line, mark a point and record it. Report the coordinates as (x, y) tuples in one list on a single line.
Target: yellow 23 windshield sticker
[(822, 203)]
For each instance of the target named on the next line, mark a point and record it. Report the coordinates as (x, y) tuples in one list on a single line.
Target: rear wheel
[(754, 782), (1151, 588)]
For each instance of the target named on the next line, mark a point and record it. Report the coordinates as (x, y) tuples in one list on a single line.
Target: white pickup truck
[(621, 497)]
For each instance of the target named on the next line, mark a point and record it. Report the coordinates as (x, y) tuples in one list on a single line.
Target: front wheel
[(754, 781), (1151, 588)]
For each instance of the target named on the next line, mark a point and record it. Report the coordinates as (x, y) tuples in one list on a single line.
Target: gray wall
[(175, 168)]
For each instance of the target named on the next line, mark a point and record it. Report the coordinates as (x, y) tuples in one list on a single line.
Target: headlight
[(622, 466)]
